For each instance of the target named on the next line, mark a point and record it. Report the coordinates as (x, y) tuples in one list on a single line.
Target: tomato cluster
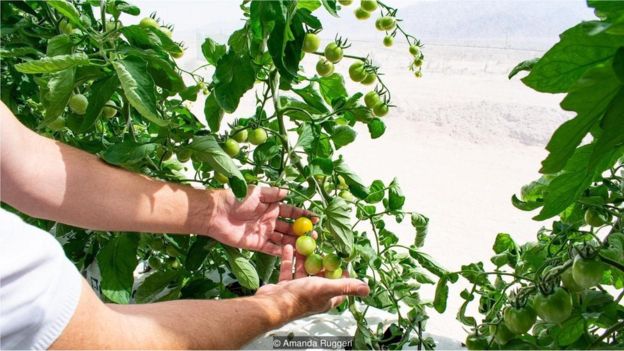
[(306, 246)]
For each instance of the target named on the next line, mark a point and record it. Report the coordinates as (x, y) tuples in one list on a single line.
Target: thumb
[(347, 286)]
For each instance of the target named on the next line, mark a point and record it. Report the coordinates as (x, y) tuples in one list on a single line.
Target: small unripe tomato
[(331, 262), (78, 104), (378, 24), (305, 245), (324, 67), (257, 136), (302, 226), (313, 264), (240, 135), (380, 110), (370, 79), (357, 72), (184, 155), (108, 110), (57, 124), (333, 52), (371, 99), (387, 23), (369, 5), (345, 2), (65, 27), (149, 22), (418, 62), (311, 42), (173, 263), (221, 178), (231, 147), (346, 195), (587, 272), (361, 14), (337, 274), (154, 262), (414, 50), (388, 41)]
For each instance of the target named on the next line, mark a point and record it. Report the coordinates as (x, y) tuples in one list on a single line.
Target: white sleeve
[(39, 287)]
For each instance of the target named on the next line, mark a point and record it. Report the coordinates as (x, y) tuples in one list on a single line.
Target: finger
[(288, 211), (276, 238), (336, 301), (347, 286), (272, 249), (299, 266), (286, 228), (272, 194), (287, 263)]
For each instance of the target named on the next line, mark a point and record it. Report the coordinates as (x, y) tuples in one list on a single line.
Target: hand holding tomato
[(252, 223), (301, 295)]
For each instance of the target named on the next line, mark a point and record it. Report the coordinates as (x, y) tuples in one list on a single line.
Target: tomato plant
[(573, 274), (76, 71)]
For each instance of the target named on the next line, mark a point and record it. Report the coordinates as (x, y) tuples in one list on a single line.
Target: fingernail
[(362, 290)]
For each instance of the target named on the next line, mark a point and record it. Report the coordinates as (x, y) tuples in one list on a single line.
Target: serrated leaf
[(306, 137), (68, 10), (356, 186), (395, 196), (53, 64), (59, 88), (242, 269), (213, 112), (332, 87), (128, 153), (117, 261), (338, 222), (212, 51), (233, 77), (376, 127), (139, 88), (154, 285), (100, 93), (343, 135)]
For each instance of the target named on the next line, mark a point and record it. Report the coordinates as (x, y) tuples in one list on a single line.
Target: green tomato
[(380, 110), (257, 136), (345, 2), (154, 262), (221, 178), (333, 52), (357, 71), (167, 31), (388, 41), (173, 263), (313, 264), (418, 62), (346, 195), (311, 42), (587, 272), (554, 308), (361, 14), (418, 74), (65, 27), (240, 135), (305, 245), (184, 155), (324, 67), (371, 99), (474, 342), (378, 24), (112, 25), (519, 320), (568, 281), (387, 23), (78, 104), (331, 262), (501, 333), (149, 22), (57, 124), (231, 147), (369, 5), (108, 110), (337, 274), (342, 184), (414, 50), (595, 218), (370, 79)]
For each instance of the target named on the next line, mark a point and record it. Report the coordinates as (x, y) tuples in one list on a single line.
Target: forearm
[(58, 182)]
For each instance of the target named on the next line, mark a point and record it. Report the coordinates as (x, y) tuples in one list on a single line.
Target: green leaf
[(571, 330), (311, 96), (356, 186), (589, 98), (68, 10), (198, 252), (243, 270), (265, 265), (154, 285), (576, 52), (310, 5), (376, 127), (332, 87), (306, 137), (150, 38), (428, 263), (100, 93), (213, 112), (53, 64), (421, 224), (377, 192), (338, 222), (212, 51), (59, 88), (395, 196), (206, 149), (117, 261), (59, 45), (523, 66), (330, 6), (618, 64), (139, 88), (233, 77), (503, 243), (612, 130), (343, 135), (441, 295), (128, 153)]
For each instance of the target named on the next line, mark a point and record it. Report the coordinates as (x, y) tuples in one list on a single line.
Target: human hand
[(300, 295), (255, 222)]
